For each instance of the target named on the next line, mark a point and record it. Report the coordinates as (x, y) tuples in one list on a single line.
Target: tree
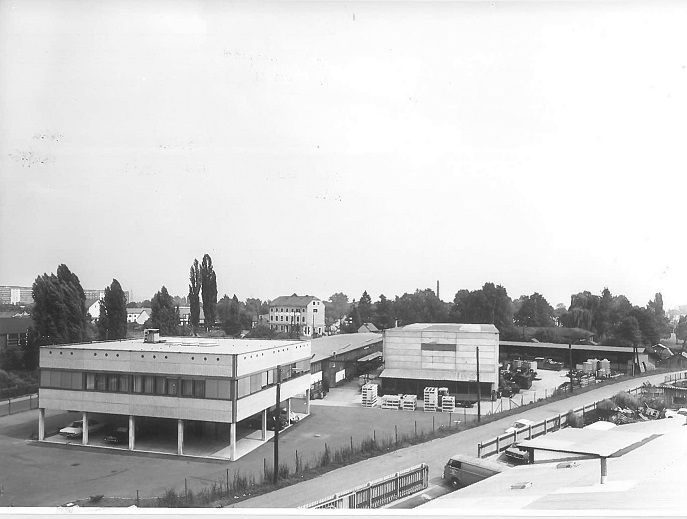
[(164, 315), (650, 332), (365, 308), (534, 310), (681, 330), (338, 305), (489, 305), (628, 331), (209, 289), (60, 315), (386, 316), (194, 295), (112, 320)]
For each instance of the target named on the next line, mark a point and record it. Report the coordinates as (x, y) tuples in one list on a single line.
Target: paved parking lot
[(48, 475)]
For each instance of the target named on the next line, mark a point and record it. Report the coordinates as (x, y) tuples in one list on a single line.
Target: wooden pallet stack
[(391, 402), (369, 395), (408, 403), (431, 399), (448, 404)]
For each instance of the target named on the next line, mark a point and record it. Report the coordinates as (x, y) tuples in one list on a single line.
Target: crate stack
[(369, 395), (448, 404), (391, 402), (408, 402), (431, 399)]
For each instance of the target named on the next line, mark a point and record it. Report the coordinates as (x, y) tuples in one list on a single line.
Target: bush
[(577, 422), (627, 400)]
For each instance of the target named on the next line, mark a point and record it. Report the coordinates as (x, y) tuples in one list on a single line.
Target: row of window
[(138, 384), (213, 388), (285, 328), (281, 318)]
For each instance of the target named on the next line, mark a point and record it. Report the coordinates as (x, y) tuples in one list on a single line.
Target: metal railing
[(380, 492), (18, 404), (674, 377)]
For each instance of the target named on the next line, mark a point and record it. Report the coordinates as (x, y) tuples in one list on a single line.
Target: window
[(100, 381), (282, 318), (124, 386), (138, 383), (303, 319), (186, 387), (160, 385), (455, 464), (149, 385), (172, 384), (112, 383), (199, 388)]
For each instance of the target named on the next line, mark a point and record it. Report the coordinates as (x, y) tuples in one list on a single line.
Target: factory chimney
[(438, 289)]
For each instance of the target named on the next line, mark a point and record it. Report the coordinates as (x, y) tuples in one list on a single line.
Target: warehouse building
[(337, 358), (440, 355), (220, 381)]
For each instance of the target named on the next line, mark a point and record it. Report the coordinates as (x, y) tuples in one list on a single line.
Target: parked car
[(462, 470), (672, 413), (75, 429), (519, 425), (121, 434)]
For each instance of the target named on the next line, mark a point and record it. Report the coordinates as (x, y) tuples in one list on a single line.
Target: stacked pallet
[(431, 399), (369, 395), (391, 402), (408, 402), (448, 404)]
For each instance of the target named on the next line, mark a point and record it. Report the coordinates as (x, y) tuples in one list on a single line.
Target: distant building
[(93, 308), (14, 331), (16, 295), (368, 328), (138, 315), (301, 314), (185, 316)]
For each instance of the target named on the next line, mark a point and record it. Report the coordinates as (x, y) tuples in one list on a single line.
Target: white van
[(463, 470)]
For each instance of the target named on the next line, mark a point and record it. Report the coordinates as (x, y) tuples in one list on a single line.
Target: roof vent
[(521, 486), (151, 335), (567, 465)]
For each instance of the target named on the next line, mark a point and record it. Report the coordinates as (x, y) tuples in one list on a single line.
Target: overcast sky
[(325, 147)]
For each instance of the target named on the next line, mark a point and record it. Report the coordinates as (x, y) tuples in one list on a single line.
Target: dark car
[(121, 435)]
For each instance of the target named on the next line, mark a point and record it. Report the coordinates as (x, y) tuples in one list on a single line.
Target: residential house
[(301, 314), (14, 331), (93, 308), (368, 328), (138, 315)]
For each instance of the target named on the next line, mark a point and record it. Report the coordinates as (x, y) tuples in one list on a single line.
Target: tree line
[(613, 320)]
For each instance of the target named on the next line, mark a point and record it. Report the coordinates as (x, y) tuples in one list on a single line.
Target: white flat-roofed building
[(440, 355), (210, 380)]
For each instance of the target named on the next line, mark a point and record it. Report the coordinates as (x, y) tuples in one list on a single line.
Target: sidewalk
[(434, 453)]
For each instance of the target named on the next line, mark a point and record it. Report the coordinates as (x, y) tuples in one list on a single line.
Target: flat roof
[(218, 345), (592, 442), (447, 327), (575, 347), (326, 347), (646, 479)]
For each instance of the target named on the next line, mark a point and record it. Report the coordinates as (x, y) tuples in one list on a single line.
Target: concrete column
[(233, 441), (307, 401), (604, 471), (180, 437), (132, 432), (264, 425), (41, 423), (84, 436)]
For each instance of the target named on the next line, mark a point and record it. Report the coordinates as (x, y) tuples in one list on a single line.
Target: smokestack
[(438, 289)]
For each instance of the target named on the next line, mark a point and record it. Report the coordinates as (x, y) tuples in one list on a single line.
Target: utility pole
[(571, 366), (479, 391), (277, 426)]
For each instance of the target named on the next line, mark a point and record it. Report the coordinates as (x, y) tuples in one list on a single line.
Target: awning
[(611, 443), (371, 356)]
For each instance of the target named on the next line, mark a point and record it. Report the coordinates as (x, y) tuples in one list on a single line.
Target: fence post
[(416, 428), (369, 495), (432, 423), (186, 487), (529, 436), (396, 433), (559, 421), (498, 444), (479, 450), (522, 400), (450, 419), (227, 481), (137, 500), (351, 444), (9, 406)]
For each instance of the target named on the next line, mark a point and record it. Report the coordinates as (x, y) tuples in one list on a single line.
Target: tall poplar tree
[(209, 289), (194, 294), (112, 320)]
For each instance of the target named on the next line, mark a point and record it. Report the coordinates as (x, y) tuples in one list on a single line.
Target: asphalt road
[(434, 453)]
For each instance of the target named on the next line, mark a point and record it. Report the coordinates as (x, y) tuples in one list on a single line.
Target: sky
[(322, 147)]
